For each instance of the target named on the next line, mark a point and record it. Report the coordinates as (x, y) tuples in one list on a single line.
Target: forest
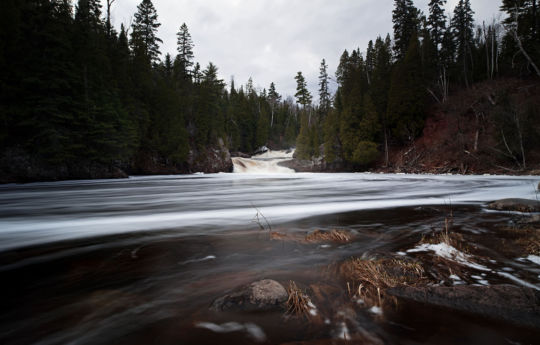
[(78, 95)]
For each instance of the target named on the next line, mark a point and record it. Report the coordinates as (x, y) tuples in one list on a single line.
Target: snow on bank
[(534, 258), (450, 253)]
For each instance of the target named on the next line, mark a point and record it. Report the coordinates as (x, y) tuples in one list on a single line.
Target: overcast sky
[(271, 40)]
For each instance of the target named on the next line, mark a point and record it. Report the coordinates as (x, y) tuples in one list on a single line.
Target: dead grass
[(338, 236), (370, 278), (447, 236), (530, 242), (298, 302)]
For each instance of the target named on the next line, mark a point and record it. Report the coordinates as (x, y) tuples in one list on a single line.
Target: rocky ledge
[(519, 205), (513, 304)]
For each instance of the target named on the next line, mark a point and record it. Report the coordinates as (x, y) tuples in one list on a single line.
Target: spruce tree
[(185, 51), (144, 40), (303, 96), (405, 110), (324, 93), (462, 29), (437, 22), (404, 18), (273, 99)]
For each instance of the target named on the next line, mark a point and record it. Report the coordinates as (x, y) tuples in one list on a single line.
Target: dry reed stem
[(339, 236), (373, 277), (298, 302)]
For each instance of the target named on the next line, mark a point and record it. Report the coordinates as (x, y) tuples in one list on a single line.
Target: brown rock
[(520, 205), (263, 295)]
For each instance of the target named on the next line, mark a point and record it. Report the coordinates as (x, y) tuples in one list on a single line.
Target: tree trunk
[(109, 26)]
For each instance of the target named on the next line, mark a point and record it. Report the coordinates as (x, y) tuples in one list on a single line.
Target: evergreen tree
[(404, 17), (437, 22), (144, 41), (462, 27), (406, 97), (185, 51), (273, 98), (324, 93), (303, 96)]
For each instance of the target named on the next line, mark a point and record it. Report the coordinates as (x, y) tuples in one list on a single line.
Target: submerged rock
[(518, 305), (262, 295), (520, 205)]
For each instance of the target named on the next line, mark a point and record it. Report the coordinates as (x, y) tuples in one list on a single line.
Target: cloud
[(271, 40)]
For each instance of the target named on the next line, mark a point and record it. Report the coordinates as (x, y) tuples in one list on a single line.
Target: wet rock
[(514, 304), (240, 154), (520, 205), (263, 295), (300, 165), (260, 150), (210, 160)]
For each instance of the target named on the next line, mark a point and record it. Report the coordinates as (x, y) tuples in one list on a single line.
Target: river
[(139, 260)]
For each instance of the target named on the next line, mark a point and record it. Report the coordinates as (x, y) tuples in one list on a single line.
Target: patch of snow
[(519, 281), (448, 252), (325, 246), (483, 282), (476, 277), (508, 269), (376, 310), (327, 321), (493, 261), (401, 253), (254, 331), (455, 277), (343, 332), (534, 258), (312, 309), (360, 301)]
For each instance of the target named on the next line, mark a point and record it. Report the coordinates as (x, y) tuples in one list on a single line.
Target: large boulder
[(514, 304), (520, 205), (262, 295)]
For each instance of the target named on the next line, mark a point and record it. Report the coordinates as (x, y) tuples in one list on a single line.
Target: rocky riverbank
[(18, 166)]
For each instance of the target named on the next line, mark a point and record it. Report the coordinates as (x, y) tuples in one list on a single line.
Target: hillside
[(465, 135)]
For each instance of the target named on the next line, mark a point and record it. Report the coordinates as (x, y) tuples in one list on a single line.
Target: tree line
[(383, 94), (73, 89)]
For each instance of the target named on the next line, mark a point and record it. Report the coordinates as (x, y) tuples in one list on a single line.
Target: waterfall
[(264, 163)]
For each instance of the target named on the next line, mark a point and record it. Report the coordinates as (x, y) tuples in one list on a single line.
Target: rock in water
[(518, 305), (262, 295), (520, 205)]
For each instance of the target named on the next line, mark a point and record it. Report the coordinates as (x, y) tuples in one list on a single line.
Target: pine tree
[(185, 51), (302, 95), (143, 32), (324, 93), (437, 22), (89, 13), (404, 17), (462, 28), (405, 110), (273, 98)]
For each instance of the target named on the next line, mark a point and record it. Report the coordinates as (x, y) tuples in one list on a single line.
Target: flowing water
[(139, 260)]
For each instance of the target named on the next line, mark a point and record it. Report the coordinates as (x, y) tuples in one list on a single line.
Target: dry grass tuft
[(453, 239), (370, 278), (339, 236), (298, 302), (529, 241)]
